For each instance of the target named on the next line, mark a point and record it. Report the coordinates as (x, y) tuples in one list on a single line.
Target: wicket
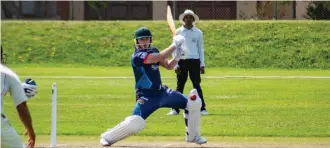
[(54, 108)]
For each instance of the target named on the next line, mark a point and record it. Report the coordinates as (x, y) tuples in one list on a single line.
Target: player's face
[(144, 42), (188, 19)]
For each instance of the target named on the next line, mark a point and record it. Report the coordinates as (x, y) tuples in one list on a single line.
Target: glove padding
[(184, 50), (178, 40), (177, 53), (179, 43), (30, 90)]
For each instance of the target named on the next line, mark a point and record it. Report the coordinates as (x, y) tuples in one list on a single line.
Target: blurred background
[(154, 10)]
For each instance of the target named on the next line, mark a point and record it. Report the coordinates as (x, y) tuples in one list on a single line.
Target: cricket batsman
[(152, 95)]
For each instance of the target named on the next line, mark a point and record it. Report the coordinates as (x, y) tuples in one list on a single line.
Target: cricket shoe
[(104, 142), (198, 140), (204, 112), (172, 112)]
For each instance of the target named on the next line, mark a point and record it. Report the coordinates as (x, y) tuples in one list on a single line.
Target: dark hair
[(2, 60), (1, 52)]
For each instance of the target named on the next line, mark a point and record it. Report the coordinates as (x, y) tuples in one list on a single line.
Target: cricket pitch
[(176, 142)]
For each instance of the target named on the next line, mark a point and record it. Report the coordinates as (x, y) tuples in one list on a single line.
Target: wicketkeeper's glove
[(30, 88)]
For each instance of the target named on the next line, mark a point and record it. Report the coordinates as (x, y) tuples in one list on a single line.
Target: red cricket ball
[(193, 97)]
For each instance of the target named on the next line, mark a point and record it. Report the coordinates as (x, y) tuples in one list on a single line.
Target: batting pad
[(192, 116), (129, 126)]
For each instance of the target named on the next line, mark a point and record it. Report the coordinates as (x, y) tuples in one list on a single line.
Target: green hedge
[(248, 44)]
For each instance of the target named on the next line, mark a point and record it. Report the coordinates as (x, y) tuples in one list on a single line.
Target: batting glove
[(177, 53), (184, 50), (178, 40)]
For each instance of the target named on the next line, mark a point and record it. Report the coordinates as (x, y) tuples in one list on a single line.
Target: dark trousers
[(191, 67), (151, 100)]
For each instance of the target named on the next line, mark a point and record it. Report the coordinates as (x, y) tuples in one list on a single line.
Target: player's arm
[(19, 98), (25, 116), (201, 50), (169, 64), (159, 57)]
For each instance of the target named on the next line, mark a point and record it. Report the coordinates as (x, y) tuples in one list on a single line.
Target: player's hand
[(178, 40), (202, 70), (177, 70), (30, 90), (32, 139), (177, 53)]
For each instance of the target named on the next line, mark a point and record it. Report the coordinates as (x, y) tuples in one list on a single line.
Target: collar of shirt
[(185, 29)]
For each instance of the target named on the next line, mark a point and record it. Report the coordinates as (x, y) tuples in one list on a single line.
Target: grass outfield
[(237, 44), (239, 107)]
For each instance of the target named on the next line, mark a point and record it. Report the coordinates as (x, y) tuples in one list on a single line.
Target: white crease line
[(207, 77)]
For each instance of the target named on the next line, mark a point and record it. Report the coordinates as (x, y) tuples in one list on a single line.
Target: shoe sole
[(197, 143), (105, 145)]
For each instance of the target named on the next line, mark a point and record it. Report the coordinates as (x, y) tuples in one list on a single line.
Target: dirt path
[(176, 142)]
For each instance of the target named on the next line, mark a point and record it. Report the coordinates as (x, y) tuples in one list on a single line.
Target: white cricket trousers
[(9, 136)]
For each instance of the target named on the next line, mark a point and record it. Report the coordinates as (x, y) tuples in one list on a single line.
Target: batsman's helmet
[(142, 32)]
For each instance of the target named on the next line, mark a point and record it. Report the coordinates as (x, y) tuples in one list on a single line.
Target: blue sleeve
[(139, 57), (155, 50)]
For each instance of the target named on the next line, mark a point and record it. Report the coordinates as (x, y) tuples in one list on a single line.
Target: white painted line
[(207, 77), (270, 77)]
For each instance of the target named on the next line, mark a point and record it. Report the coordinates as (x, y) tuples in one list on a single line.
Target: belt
[(3, 116), (161, 87)]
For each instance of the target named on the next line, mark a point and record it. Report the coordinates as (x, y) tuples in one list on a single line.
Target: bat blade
[(170, 20)]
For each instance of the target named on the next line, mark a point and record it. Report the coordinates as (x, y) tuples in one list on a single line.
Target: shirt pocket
[(193, 38)]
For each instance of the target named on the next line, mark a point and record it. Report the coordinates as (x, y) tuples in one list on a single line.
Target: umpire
[(194, 63)]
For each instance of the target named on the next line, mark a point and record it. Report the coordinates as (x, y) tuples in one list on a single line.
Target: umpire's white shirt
[(195, 43)]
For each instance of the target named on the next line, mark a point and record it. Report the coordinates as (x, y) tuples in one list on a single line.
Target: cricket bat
[(170, 20), (171, 24)]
